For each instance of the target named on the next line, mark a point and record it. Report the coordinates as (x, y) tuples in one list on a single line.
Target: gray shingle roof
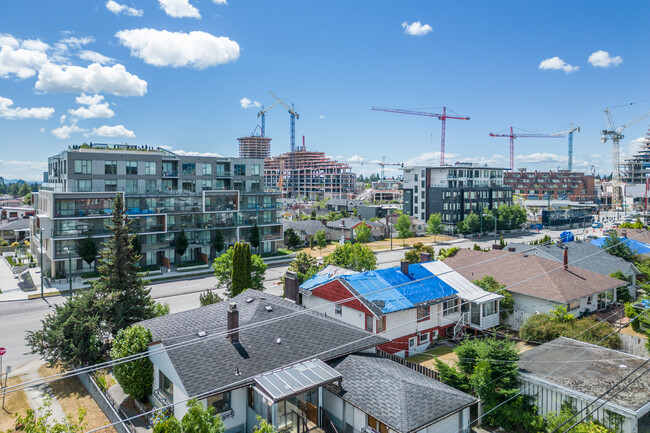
[(212, 364), (582, 255), (401, 398), (310, 227), (344, 223), (19, 224)]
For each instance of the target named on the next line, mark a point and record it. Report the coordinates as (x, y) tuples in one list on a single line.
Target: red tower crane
[(443, 117), (514, 135)]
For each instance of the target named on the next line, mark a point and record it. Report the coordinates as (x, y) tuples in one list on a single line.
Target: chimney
[(342, 222), (291, 287), (512, 249), (233, 323), (425, 257), (404, 267), (566, 259), (623, 233)]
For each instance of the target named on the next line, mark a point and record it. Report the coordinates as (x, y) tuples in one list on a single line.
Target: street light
[(69, 269)]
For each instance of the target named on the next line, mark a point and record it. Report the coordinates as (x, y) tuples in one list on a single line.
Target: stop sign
[(2, 351)]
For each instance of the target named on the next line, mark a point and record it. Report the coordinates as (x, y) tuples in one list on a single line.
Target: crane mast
[(512, 135)]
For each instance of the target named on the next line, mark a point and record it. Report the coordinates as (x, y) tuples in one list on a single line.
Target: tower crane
[(443, 117), (514, 135), (382, 164), (262, 114), (293, 116), (570, 131)]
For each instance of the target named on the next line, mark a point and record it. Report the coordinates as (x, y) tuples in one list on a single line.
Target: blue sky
[(173, 73)]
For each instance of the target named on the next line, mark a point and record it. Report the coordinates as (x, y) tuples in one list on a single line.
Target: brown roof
[(640, 235), (531, 275)]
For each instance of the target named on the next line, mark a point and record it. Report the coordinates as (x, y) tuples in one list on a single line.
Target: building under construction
[(254, 147), (636, 168), (314, 175)]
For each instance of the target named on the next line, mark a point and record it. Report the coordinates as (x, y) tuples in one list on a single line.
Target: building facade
[(453, 191), (164, 193), (254, 147), (561, 184)]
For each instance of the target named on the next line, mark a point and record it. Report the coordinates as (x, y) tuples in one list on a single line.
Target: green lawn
[(430, 354)]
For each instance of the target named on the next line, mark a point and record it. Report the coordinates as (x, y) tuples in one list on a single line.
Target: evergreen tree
[(24, 190), (255, 237), (224, 266), (120, 285), (240, 269), (87, 249), (218, 242), (180, 244), (136, 245), (291, 238)]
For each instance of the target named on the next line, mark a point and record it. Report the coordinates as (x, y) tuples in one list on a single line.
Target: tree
[(136, 245), (41, 421), (447, 252), (291, 238), (223, 266), (198, 419), (255, 237), (618, 247), (362, 234), (24, 190), (240, 263), (264, 426), (491, 285), (180, 244), (135, 376), (305, 266), (87, 249), (403, 226), (434, 225), (161, 309), (413, 256), (120, 285), (321, 239), (356, 257), (471, 224), (218, 242), (511, 217), (209, 297)]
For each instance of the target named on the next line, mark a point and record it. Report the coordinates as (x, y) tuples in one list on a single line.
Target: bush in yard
[(168, 425), (209, 297), (357, 257), (198, 419), (135, 377), (546, 327), (413, 256)]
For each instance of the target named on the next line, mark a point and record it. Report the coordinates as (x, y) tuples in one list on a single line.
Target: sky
[(191, 75)]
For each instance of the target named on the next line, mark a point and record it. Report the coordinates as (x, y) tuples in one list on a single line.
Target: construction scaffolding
[(314, 175), (636, 168), (254, 147)]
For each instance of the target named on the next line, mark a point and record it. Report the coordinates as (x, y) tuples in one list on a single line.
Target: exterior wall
[(349, 315), (161, 362), (456, 422), (556, 184), (335, 291), (238, 403)]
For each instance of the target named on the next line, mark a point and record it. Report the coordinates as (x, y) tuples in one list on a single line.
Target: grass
[(428, 356), (72, 396), (14, 402)]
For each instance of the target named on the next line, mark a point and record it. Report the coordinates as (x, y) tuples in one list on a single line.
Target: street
[(18, 317)]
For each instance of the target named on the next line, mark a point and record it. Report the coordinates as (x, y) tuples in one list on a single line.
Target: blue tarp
[(636, 246), (567, 237)]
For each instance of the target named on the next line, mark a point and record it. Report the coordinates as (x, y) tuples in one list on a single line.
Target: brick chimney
[(233, 323), (425, 257), (623, 233), (404, 267), (566, 259), (291, 287)]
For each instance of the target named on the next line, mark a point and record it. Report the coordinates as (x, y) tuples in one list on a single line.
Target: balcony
[(172, 173), (224, 174)]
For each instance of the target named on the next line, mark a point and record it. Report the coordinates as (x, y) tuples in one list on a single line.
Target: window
[(381, 324), (167, 185), (221, 402), (131, 186), (255, 170), (573, 305), (255, 186), (189, 169), (377, 425), (221, 169), (423, 313), (207, 169), (189, 185), (338, 309), (83, 185), (150, 167), (449, 307), (150, 185), (239, 185), (368, 323), (110, 185), (131, 167), (207, 184), (489, 308), (165, 385), (240, 170), (82, 166), (424, 337), (110, 167)]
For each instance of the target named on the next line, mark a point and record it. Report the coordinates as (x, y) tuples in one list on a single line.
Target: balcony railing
[(172, 173)]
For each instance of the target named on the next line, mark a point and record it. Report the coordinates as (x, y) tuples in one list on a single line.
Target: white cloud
[(416, 28), (633, 146), (163, 48), (602, 59), (94, 111), (89, 99), (76, 42), (65, 131), (539, 158), (429, 158), (20, 62), (118, 9), (220, 2), (95, 57), (356, 158), (7, 112), (62, 119), (247, 103), (179, 9), (321, 117), (26, 170), (6, 40), (95, 78), (111, 131), (35, 45), (557, 63), (42, 130), (184, 153)]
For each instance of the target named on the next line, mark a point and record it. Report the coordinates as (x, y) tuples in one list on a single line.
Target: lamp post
[(69, 269), (40, 240)]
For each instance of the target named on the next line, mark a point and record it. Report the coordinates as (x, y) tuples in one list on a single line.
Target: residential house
[(15, 231), (305, 229), (567, 370), (13, 212), (344, 227), (412, 305), (260, 355), (537, 284), (418, 227), (340, 204)]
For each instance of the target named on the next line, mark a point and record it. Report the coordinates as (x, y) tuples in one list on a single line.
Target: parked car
[(597, 225)]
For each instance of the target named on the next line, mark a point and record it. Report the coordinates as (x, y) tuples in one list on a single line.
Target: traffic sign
[(2, 351)]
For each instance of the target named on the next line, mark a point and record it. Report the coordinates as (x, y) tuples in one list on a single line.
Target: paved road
[(16, 318)]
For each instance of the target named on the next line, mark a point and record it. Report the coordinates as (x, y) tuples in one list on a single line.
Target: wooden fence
[(412, 365)]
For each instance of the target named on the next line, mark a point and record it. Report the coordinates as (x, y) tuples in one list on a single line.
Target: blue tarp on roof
[(567, 237), (316, 280), (636, 246)]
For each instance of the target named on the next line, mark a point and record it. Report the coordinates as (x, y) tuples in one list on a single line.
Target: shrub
[(135, 377), (209, 297), (545, 327)]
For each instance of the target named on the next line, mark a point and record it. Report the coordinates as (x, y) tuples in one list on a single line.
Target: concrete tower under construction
[(254, 147)]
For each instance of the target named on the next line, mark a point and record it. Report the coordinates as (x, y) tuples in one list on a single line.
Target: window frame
[(423, 313), (338, 309), (226, 397), (132, 168)]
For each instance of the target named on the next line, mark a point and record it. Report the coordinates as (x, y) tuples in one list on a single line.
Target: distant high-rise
[(254, 147)]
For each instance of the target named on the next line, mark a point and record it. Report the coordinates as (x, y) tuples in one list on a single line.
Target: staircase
[(459, 328)]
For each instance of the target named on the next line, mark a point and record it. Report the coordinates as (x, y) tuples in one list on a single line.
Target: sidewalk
[(38, 394), (11, 291)]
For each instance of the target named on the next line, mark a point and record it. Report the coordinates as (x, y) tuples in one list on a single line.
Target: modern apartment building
[(164, 193), (454, 191), (554, 184)]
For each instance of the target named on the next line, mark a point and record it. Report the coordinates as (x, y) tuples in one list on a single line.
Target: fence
[(110, 408), (412, 365), (634, 345), (516, 319)]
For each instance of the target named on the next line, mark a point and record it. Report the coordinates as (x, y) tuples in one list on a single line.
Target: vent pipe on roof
[(566, 259), (404, 267), (292, 287), (233, 323), (425, 257)]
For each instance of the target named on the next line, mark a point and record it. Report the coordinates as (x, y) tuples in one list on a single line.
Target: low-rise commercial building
[(563, 184)]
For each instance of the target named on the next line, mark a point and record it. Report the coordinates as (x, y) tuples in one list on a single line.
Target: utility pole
[(40, 240)]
